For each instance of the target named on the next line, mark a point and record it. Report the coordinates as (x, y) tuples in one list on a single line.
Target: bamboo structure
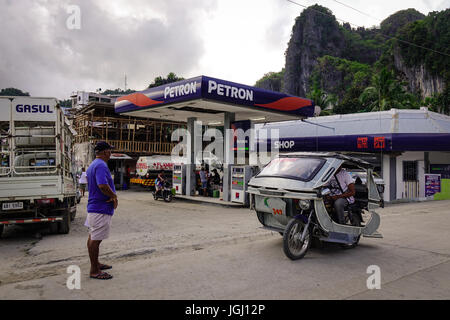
[(132, 135)]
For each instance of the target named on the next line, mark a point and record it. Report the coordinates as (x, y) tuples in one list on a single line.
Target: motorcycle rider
[(160, 180), (342, 192)]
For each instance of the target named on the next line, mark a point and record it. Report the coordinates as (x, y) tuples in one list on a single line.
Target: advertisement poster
[(432, 184)]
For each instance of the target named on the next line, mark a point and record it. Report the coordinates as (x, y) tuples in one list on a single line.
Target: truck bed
[(36, 187)]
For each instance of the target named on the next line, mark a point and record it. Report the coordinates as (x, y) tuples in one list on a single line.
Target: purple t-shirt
[(98, 173)]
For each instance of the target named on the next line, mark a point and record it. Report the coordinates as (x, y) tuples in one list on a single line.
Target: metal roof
[(336, 155), (393, 130), (392, 121)]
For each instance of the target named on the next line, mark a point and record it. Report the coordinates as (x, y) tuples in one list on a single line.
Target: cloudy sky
[(47, 49)]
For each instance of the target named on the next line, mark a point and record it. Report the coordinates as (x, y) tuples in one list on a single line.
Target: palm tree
[(385, 93), (322, 99)]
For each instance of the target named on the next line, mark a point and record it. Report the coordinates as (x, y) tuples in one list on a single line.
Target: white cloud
[(236, 40)]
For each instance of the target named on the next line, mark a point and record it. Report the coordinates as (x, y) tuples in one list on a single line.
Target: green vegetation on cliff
[(432, 32), (368, 69), (271, 81)]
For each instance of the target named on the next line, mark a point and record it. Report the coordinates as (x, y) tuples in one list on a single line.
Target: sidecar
[(288, 196)]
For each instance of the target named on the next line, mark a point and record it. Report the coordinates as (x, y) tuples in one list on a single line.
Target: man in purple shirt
[(101, 204)]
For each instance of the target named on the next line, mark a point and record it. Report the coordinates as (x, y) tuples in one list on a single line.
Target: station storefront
[(410, 149)]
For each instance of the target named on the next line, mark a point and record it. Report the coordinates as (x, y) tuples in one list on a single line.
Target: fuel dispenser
[(179, 178), (240, 176)]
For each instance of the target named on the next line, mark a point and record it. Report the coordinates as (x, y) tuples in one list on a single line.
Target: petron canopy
[(207, 99)]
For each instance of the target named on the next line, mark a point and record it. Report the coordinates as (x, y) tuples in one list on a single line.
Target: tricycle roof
[(349, 160), (304, 171)]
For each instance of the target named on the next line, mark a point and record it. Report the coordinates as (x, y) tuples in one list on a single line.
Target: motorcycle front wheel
[(293, 247), (168, 197)]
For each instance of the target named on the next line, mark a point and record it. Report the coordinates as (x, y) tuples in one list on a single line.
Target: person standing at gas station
[(204, 181), (102, 202)]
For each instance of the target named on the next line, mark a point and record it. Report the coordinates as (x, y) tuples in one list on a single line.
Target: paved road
[(190, 251)]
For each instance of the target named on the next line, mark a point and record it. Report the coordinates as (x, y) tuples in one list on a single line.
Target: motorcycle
[(164, 193), (299, 207)]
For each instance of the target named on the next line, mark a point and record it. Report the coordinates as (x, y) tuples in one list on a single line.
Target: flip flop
[(105, 267), (102, 276)]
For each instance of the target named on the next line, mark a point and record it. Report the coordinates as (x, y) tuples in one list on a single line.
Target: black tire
[(292, 247), (73, 214), (168, 197), (64, 225), (155, 197), (356, 221), (54, 228), (2, 227)]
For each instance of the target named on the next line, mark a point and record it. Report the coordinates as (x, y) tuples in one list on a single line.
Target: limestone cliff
[(314, 35), (419, 78)]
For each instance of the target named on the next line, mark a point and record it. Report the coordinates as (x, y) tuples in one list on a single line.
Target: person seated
[(342, 192)]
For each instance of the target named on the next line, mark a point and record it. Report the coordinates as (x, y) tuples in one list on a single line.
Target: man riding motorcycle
[(160, 181)]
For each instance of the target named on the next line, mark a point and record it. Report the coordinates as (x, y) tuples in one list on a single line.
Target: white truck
[(37, 182)]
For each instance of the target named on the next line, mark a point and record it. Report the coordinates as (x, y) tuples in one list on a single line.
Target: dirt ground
[(140, 226), (185, 250)]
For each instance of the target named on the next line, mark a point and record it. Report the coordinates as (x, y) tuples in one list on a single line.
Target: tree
[(118, 91), (350, 103), (321, 98), (13, 92), (385, 93), (65, 103), (439, 102), (159, 81)]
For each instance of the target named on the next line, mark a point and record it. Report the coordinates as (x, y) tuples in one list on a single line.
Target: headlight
[(304, 204)]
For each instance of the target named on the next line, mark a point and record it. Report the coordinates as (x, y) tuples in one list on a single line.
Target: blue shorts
[(204, 184)]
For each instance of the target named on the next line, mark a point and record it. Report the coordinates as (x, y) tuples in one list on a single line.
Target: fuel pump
[(179, 178), (240, 176)]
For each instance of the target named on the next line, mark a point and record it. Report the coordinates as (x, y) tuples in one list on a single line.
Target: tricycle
[(291, 195)]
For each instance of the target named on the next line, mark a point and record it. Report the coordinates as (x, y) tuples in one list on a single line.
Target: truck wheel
[(64, 225), (2, 227), (293, 247), (73, 214)]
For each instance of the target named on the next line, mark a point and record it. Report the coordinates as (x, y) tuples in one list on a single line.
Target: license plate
[(12, 205)]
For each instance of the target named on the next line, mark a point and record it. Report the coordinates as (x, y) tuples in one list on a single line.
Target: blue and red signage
[(216, 90)]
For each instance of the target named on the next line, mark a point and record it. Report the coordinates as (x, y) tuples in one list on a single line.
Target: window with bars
[(410, 171)]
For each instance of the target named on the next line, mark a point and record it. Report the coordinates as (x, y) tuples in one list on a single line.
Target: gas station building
[(410, 149), (214, 102)]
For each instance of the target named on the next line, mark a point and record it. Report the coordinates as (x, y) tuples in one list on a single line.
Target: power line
[(384, 35), (367, 15)]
